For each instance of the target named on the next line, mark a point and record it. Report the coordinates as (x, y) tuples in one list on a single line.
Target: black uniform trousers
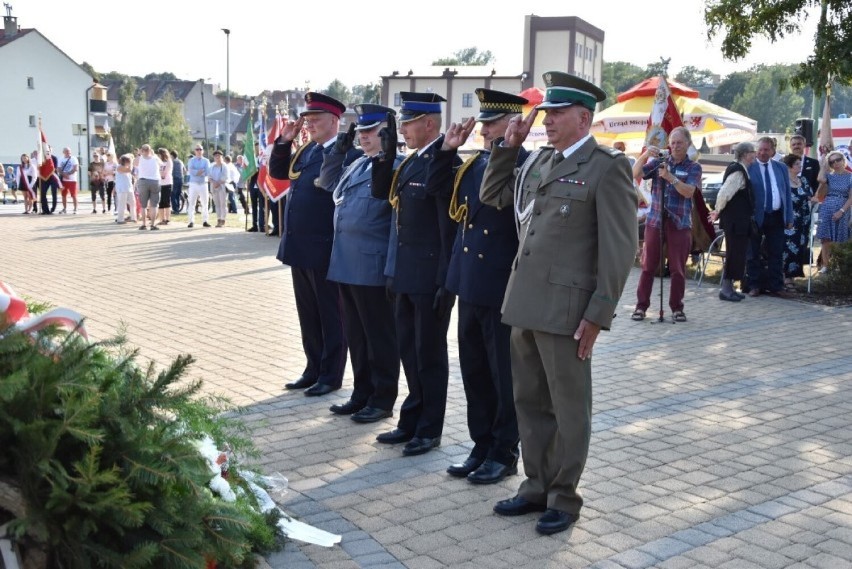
[(318, 304), (423, 350), (486, 367), (767, 274), (44, 185), (373, 351)]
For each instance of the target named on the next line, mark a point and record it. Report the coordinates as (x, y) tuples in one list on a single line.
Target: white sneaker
[(823, 270)]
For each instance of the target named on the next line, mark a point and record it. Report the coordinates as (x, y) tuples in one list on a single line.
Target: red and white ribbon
[(13, 312)]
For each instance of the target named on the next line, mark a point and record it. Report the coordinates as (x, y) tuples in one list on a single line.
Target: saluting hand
[(389, 138), (519, 129), (345, 140), (457, 134), (291, 129)]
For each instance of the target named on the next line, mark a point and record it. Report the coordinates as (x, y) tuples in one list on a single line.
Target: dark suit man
[(418, 254), (358, 257), (486, 243), (306, 243), (773, 212), (577, 212), (810, 166), (50, 183)]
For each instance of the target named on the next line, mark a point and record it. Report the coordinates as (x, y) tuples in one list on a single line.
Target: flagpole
[(228, 89), (245, 152)]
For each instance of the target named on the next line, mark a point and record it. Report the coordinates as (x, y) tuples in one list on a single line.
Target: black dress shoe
[(347, 408), (320, 389), (491, 472), (420, 445), (394, 437), (371, 415), (301, 383), (252, 229), (732, 297), (554, 521), (517, 506), (463, 469)]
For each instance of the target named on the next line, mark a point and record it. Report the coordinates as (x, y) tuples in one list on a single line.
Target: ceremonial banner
[(826, 142), (664, 117), (274, 187), (251, 160), (43, 161)]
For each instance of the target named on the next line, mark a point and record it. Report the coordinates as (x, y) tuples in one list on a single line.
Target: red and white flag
[(664, 117), (44, 163), (826, 142), (14, 313), (274, 187)]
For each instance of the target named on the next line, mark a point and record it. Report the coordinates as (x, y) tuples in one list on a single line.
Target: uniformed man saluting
[(306, 240), (418, 255), (486, 243), (358, 256), (577, 212)]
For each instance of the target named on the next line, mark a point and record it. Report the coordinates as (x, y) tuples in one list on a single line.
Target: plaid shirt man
[(678, 208)]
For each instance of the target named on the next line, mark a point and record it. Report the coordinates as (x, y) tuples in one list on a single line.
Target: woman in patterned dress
[(836, 186), (796, 252)]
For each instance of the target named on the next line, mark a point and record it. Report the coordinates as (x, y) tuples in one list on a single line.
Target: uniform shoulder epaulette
[(609, 151)]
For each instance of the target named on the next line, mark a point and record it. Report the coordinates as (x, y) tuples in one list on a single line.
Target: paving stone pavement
[(723, 442)]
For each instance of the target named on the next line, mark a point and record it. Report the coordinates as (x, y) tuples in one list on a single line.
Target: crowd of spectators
[(152, 190)]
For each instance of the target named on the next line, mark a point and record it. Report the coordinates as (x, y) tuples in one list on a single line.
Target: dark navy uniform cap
[(415, 105), (565, 90), (495, 104), (371, 116), (319, 103)]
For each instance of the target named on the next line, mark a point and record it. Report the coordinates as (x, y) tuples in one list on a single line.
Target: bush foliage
[(103, 454)]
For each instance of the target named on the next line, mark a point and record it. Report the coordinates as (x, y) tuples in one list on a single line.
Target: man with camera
[(674, 178)]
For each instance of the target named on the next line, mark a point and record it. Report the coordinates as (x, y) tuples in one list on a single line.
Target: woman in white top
[(108, 175), (148, 185), (219, 177), (165, 205), (123, 185), (27, 175)]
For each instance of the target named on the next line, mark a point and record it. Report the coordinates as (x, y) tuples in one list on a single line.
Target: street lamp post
[(227, 90), (204, 116)]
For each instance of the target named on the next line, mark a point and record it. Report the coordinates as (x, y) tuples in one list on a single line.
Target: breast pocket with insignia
[(568, 201)]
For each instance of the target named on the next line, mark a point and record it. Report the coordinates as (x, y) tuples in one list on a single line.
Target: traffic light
[(805, 127)]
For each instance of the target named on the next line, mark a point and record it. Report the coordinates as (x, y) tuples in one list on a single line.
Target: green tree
[(661, 67), (370, 93), (339, 91), (694, 77), (841, 100), (165, 76), (617, 77), (234, 95), (467, 56), (775, 109), (160, 124), (90, 70), (739, 22), (729, 88)]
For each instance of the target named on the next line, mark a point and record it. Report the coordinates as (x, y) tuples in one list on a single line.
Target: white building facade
[(39, 80)]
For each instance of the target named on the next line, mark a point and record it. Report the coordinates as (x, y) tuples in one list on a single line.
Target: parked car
[(710, 185)]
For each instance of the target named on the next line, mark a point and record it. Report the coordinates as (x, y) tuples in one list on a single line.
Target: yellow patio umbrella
[(709, 123)]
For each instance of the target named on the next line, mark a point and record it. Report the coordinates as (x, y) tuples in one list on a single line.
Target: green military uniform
[(577, 224)]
